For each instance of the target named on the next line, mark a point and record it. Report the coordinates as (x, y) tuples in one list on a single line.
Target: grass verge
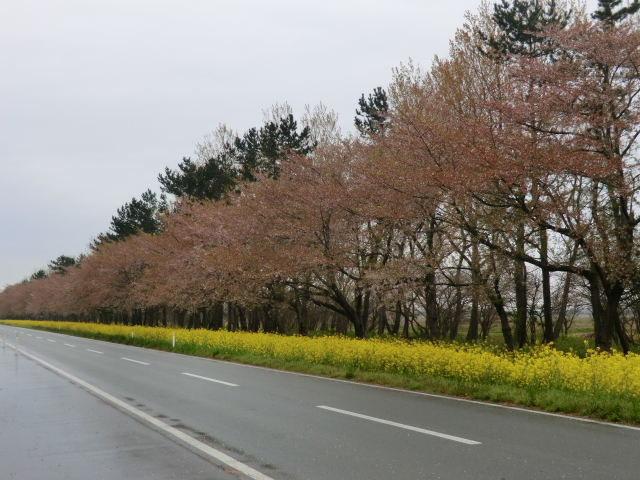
[(600, 406)]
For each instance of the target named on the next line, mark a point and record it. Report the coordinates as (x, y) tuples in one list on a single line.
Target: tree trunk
[(242, 317), (613, 302), (546, 289), (472, 333), (382, 319), (269, 323), (364, 312), (601, 325), (457, 315), (398, 317), (302, 314), (562, 313), (520, 280), (498, 303), (255, 319), (474, 318), (431, 308)]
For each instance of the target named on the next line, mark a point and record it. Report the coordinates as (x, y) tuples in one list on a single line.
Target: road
[(224, 420)]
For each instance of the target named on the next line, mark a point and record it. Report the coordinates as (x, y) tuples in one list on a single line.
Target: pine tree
[(258, 151), (210, 180), (60, 264), (372, 117), (606, 14), (520, 25), (139, 215), (261, 151), (40, 274)]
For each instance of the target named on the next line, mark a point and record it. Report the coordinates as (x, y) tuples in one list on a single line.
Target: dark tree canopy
[(372, 116), (135, 217), (608, 14), (208, 181), (60, 264), (258, 151), (520, 24), (261, 151), (37, 275)]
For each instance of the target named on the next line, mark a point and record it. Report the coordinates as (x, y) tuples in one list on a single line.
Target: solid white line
[(411, 392), (136, 361), (94, 351), (69, 345), (49, 340), (211, 379), (218, 455), (402, 425)]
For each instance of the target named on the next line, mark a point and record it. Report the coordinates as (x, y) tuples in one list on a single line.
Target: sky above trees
[(96, 100)]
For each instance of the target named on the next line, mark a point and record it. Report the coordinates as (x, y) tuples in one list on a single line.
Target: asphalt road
[(179, 414)]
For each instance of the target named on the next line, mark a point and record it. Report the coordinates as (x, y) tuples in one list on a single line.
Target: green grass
[(606, 407)]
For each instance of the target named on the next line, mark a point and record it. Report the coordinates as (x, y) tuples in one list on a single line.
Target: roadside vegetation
[(479, 226), (603, 386)]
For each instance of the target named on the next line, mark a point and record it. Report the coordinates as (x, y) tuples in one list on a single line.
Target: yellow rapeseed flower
[(542, 366)]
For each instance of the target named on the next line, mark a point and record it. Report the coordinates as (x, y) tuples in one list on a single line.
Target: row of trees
[(500, 186)]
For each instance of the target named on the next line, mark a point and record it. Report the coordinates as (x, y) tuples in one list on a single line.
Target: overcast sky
[(96, 98)]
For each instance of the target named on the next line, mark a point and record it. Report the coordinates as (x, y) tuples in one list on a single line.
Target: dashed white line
[(211, 379), (69, 345), (38, 337), (216, 454), (402, 425), (136, 361), (49, 340), (94, 351)]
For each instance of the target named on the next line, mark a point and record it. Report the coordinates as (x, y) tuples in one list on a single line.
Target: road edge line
[(212, 452), (565, 416)]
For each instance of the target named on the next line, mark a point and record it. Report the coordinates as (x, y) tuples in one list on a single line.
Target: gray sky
[(96, 98)]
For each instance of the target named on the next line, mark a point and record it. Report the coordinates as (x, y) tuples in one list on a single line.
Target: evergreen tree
[(258, 151), (134, 217), (208, 181), (520, 24), (261, 151), (37, 276), (606, 14), (59, 265), (372, 116)]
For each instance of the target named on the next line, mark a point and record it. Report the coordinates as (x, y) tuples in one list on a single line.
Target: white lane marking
[(431, 395), (94, 351), (422, 394), (211, 379), (136, 361), (49, 340), (69, 345), (402, 425), (29, 334), (216, 454)]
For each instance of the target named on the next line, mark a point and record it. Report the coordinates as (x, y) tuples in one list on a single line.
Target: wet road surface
[(277, 424), (51, 429)]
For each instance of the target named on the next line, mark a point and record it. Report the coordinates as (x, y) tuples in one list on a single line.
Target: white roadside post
[(173, 340), (132, 333)]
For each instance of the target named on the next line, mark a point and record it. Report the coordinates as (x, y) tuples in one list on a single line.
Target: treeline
[(498, 188)]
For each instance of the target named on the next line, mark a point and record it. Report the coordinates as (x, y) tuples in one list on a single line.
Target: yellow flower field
[(543, 367)]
